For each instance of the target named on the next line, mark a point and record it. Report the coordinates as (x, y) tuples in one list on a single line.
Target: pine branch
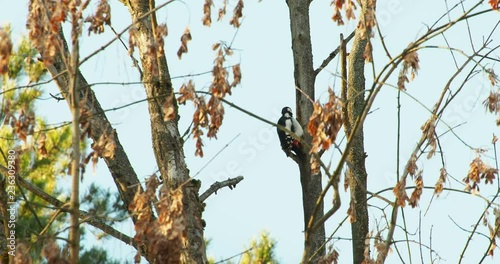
[(231, 183), (89, 218)]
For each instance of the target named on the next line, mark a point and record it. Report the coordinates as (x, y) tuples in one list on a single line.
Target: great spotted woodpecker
[(288, 143)]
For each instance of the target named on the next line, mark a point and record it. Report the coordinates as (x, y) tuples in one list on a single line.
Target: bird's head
[(287, 110)]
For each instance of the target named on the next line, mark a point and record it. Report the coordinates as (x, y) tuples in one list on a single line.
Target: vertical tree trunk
[(356, 154), (304, 82), (166, 139), (74, 230)]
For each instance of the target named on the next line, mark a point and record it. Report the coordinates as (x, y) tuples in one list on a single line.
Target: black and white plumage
[(288, 143)]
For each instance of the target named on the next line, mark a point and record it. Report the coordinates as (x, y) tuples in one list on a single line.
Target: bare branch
[(332, 55), (231, 183)]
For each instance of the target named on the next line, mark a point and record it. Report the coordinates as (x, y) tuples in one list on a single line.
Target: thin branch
[(30, 208), (134, 60), (491, 243), (125, 30), (231, 183), (234, 256), (61, 205), (215, 156), (332, 55)]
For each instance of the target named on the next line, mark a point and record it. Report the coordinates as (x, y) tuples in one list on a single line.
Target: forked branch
[(231, 183)]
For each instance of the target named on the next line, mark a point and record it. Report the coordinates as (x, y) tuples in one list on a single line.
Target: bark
[(356, 154), (304, 81), (120, 168), (167, 144)]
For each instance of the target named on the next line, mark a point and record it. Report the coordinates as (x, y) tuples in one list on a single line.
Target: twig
[(231, 183), (237, 255), (332, 55), (217, 154), (56, 97)]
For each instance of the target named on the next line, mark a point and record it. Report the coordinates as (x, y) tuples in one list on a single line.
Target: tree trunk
[(120, 168), (356, 154), (167, 145), (304, 82)]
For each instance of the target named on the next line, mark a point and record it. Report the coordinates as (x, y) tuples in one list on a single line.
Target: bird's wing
[(289, 124), (297, 128)]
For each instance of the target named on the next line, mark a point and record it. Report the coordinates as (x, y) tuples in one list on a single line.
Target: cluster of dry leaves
[(349, 8), (235, 19), (378, 243), (155, 46), (443, 176), (495, 4), (479, 170), (23, 123), (492, 103), (331, 257), (5, 50), (104, 147), (365, 25), (410, 62), (51, 251), (429, 132), (324, 125), (165, 236), (494, 229), (101, 17), (209, 115), (185, 38), (400, 189), (45, 36)]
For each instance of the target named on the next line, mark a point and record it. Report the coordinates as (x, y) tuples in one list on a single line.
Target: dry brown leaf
[(347, 175), (132, 41), (412, 165), (236, 75), (222, 10), (492, 76), (349, 6), (5, 50), (42, 150), (185, 38), (315, 165), (325, 123), (429, 132), (237, 14), (410, 63), (417, 192), (367, 54), (479, 170), (101, 17), (492, 103), (187, 93), (207, 13), (161, 32), (169, 106), (443, 175), (351, 212), (400, 193), (495, 4)]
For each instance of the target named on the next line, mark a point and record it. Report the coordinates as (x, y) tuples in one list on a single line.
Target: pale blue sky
[(270, 198)]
